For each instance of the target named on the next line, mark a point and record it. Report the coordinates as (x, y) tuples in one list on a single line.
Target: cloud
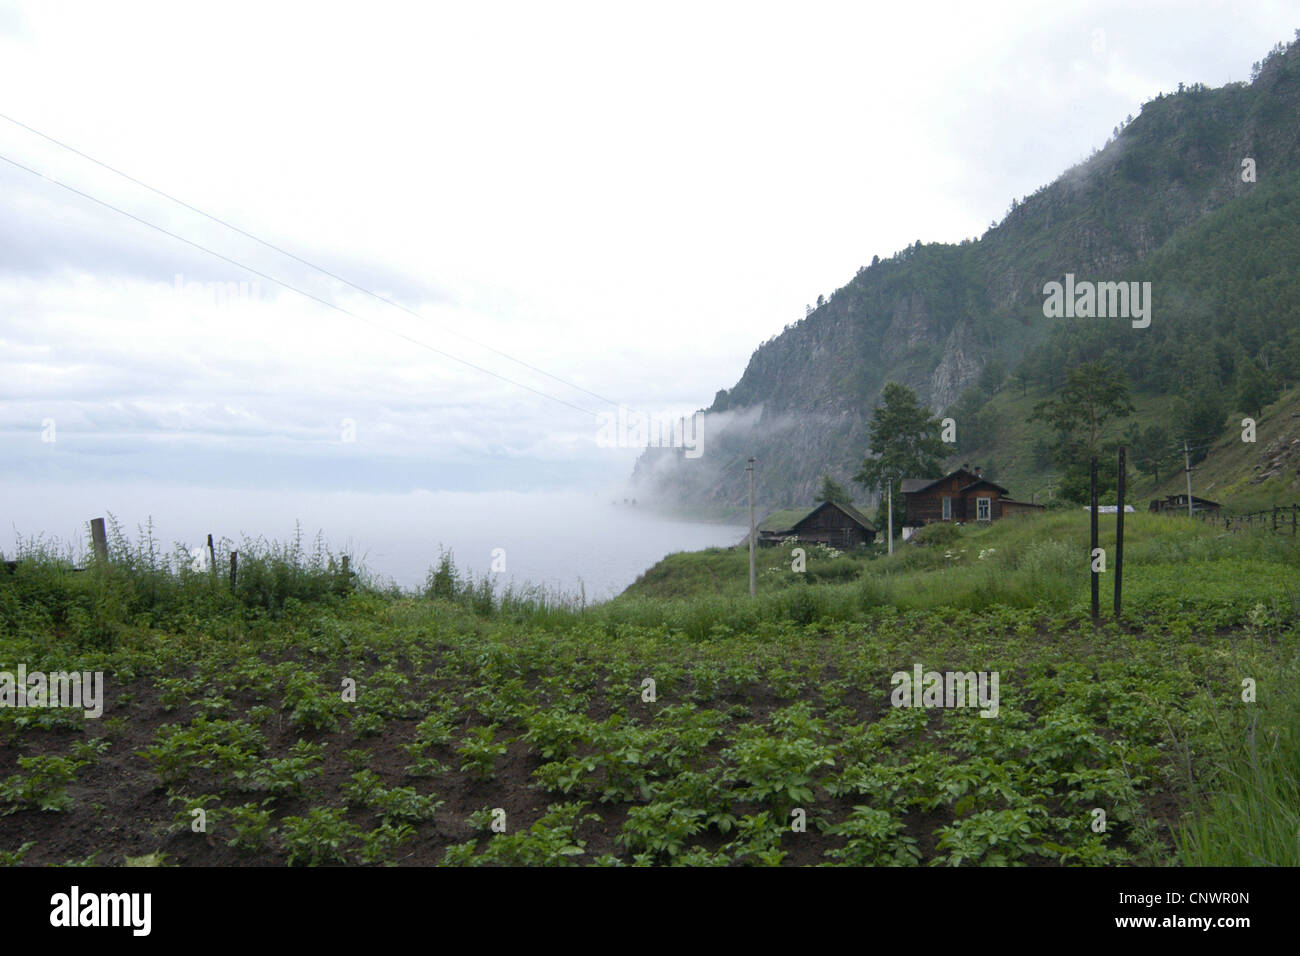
[(629, 198)]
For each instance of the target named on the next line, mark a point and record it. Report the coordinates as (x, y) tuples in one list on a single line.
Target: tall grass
[(1179, 571), (1251, 815), (61, 592)]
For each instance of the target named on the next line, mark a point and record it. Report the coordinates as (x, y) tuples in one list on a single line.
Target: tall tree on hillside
[(1198, 419), (991, 376), (1151, 448), (905, 443), (1021, 378), (1094, 394), (1256, 390), (832, 490)]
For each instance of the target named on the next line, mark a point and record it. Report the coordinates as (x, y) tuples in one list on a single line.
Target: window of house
[(983, 508), (947, 508)]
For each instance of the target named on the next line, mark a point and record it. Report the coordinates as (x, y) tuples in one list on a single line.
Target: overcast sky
[(629, 196)]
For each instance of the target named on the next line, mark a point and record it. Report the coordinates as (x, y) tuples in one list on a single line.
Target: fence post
[(100, 540), (212, 558), (347, 577), (1092, 552), (234, 566)]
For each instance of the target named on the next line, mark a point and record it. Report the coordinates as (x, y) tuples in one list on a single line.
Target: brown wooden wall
[(927, 506)]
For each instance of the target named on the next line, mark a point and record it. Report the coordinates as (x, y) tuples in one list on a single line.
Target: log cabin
[(961, 495), (830, 523)]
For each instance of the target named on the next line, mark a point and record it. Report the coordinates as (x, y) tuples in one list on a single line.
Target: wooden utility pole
[(1092, 552), (753, 580), (1119, 531), (891, 515), (1187, 459)]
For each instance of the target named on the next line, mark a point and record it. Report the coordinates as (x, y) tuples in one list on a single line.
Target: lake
[(562, 541)]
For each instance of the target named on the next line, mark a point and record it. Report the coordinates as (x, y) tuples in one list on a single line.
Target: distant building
[(1178, 503), (830, 523), (962, 495)]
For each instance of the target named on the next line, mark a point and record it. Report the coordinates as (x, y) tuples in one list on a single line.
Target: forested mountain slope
[(1164, 201)]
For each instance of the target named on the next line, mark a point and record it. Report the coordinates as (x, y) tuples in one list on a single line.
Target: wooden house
[(830, 523), (1178, 504), (962, 495)]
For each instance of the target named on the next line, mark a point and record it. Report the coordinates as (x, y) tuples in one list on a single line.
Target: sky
[(630, 197)]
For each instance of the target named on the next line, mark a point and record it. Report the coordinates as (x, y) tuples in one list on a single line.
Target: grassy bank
[(1176, 573)]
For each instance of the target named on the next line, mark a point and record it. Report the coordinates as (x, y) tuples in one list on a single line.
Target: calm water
[(561, 541)]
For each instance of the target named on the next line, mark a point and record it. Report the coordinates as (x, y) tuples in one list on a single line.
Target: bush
[(937, 533)]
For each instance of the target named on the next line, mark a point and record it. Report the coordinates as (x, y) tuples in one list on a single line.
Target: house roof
[(913, 485), (918, 484), (784, 520), (1182, 496), (853, 513), (982, 482)]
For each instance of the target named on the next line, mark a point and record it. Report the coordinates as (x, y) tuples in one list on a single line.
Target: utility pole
[(1092, 555), (1119, 529), (753, 581), (1187, 457), (891, 515)]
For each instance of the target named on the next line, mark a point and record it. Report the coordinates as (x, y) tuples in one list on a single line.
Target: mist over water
[(568, 542)]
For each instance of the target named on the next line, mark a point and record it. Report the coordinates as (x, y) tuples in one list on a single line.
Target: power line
[(297, 258), (292, 288)]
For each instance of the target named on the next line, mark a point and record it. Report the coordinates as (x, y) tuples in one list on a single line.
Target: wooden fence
[(1282, 519)]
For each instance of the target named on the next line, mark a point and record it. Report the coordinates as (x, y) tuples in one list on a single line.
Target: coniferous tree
[(1094, 394), (832, 490), (905, 443)]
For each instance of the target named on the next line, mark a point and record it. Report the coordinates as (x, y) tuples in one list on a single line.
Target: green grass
[(1171, 566), (1250, 814)]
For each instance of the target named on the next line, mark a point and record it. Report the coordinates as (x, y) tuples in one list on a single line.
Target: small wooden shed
[(830, 523), (1178, 503)]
